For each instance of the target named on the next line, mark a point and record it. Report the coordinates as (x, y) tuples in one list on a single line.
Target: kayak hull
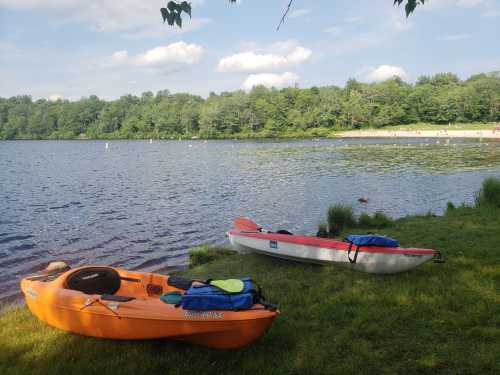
[(145, 317), (327, 251)]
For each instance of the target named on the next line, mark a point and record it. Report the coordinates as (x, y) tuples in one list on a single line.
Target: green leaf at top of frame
[(186, 7)]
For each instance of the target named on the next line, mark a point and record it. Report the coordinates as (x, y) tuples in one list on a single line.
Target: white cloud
[(140, 17), (120, 57), (282, 47), (454, 37), (55, 97), (176, 53), (169, 56), (382, 73), (286, 54), (299, 13), (270, 80)]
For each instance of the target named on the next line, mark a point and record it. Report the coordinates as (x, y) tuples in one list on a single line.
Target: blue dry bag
[(208, 297), (372, 240)]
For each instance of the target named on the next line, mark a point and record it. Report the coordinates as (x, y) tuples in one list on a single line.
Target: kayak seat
[(94, 280)]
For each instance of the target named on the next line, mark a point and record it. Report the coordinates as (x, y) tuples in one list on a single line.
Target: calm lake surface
[(142, 206)]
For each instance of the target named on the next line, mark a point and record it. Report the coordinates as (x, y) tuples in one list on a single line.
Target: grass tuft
[(450, 207), (379, 220), (322, 230), (339, 217), (489, 195), (365, 220)]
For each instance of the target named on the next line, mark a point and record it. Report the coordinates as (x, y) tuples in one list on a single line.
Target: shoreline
[(469, 134), (417, 130)]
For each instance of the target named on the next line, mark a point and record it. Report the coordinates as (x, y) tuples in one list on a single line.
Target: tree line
[(262, 112)]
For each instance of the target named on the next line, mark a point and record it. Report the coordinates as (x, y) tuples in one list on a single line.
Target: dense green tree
[(441, 99)]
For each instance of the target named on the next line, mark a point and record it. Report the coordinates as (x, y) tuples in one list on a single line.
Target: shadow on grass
[(29, 346)]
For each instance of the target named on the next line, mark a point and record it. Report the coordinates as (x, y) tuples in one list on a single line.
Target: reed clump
[(489, 195)]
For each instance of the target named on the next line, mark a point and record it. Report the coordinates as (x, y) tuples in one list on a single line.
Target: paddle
[(245, 224)]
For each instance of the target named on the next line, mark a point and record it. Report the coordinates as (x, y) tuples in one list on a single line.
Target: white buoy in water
[(107, 145), (150, 141)]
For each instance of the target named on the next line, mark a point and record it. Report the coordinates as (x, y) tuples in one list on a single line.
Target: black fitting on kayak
[(269, 306), (115, 298), (179, 282), (352, 261), (438, 257), (283, 231), (258, 297)]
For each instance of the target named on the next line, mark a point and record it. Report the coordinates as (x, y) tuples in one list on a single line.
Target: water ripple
[(142, 206)]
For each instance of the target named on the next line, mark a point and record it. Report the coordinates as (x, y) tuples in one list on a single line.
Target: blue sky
[(75, 48)]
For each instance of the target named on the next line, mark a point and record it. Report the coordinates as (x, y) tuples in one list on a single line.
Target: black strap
[(353, 261), (131, 279), (110, 297)]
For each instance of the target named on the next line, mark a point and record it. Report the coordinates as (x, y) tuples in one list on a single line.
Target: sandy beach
[(375, 133)]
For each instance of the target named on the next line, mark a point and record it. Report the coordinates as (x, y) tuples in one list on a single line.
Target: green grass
[(436, 319), (206, 254), (338, 217), (379, 220), (489, 193)]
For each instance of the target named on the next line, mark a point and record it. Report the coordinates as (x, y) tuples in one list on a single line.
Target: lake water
[(142, 206)]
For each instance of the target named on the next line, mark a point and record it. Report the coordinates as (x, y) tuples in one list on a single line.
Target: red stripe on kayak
[(328, 243)]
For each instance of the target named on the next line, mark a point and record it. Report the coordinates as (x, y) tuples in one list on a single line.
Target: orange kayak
[(118, 304)]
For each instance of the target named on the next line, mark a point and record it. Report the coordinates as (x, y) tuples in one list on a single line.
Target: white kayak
[(246, 236)]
